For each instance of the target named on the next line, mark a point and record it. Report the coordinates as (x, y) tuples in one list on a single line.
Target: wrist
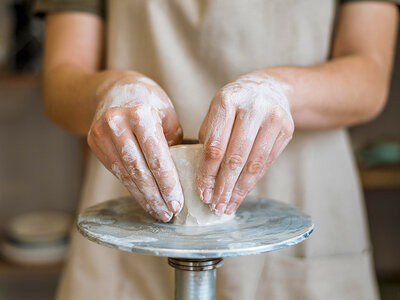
[(103, 82), (106, 80), (284, 77), (127, 89)]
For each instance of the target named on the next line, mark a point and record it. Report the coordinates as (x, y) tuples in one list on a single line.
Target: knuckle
[(241, 193), (120, 174), (97, 131), (253, 106), (133, 163), (225, 197), (231, 88), (236, 199), (125, 177), (154, 164), (164, 175), (89, 140), (134, 115), (110, 114), (207, 180), (213, 150), (234, 161), (144, 183), (224, 102), (277, 114), (133, 168), (136, 112), (255, 167), (166, 189), (178, 134), (129, 157)]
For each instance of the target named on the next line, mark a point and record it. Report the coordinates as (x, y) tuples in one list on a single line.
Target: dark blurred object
[(37, 238), (28, 36), (379, 154), (6, 25)]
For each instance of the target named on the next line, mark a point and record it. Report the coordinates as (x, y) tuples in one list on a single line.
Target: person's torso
[(193, 47)]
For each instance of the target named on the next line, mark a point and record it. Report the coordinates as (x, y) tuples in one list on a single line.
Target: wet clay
[(195, 211)]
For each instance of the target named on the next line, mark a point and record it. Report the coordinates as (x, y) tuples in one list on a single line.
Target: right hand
[(135, 122)]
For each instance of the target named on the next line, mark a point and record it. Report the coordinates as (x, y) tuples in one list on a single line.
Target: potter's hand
[(134, 124), (246, 128)]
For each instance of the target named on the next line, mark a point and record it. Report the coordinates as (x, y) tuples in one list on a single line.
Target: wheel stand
[(195, 252)]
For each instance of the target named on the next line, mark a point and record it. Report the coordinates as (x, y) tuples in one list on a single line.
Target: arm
[(252, 119), (72, 58), (129, 119), (352, 87)]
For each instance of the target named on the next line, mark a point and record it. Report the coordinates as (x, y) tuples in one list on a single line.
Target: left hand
[(246, 128)]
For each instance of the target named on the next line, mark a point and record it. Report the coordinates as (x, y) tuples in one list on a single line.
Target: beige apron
[(192, 48)]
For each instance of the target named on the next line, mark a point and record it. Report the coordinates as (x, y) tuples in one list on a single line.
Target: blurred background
[(41, 168)]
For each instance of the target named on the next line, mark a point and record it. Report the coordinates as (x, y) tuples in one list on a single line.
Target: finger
[(202, 131), (281, 143), (247, 181), (102, 146), (98, 152), (149, 134), (240, 144), (139, 171), (118, 168), (134, 163), (104, 149), (256, 165), (172, 130), (285, 136), (217, 130)]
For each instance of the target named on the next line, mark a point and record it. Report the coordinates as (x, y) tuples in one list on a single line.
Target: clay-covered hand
[(132, 129), (246, 128)]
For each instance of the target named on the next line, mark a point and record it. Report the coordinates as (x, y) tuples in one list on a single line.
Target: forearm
[(72, 60), (352, 87), (344, 91), (71, 94)]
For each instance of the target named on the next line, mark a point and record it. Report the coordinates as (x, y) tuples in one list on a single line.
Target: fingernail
[(207, 194), (220, 209), (212, 206), (231, 208), (175, 206), (166, 216)]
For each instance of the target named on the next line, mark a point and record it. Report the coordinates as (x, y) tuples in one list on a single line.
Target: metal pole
[(195, 278)]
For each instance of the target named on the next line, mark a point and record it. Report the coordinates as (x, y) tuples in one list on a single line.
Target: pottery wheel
[(260, 225), (195, 252)]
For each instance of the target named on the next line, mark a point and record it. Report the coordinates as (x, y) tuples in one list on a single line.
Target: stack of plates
[(37, 238)]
